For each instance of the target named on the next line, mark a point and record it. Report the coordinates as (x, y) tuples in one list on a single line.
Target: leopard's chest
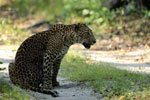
[(63, 52)]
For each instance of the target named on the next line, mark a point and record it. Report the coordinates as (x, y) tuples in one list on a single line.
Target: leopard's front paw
[(55, 94), (55, 84)]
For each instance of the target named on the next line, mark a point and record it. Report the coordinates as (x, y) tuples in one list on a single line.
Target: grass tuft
[(9, 93)]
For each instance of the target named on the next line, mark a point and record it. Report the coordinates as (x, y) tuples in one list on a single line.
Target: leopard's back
[(27, 67)]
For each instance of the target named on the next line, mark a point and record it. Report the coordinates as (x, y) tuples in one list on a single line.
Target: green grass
[(9, 93), (105, 79), (10, 33)]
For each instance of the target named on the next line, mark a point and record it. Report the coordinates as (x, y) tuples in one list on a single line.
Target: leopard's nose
[(94, 41)]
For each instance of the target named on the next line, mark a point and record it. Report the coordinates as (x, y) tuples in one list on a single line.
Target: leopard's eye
[(88, 33)]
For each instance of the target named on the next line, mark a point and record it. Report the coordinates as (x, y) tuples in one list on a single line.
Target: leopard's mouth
[(86, 45)]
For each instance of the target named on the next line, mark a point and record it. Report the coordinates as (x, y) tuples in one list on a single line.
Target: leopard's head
[(84, 35)]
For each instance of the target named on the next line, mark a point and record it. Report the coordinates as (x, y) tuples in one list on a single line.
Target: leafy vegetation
[(87, 11), (104, 23), (1, 62), (1, 68), (109, 81)]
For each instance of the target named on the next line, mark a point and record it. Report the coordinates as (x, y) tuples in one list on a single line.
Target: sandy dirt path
[(132, 60), (67, 90)]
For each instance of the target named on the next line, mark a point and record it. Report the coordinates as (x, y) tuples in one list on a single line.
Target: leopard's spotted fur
[(38, 58)]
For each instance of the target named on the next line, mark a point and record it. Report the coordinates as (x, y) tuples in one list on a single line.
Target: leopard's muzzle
[(88, 45)]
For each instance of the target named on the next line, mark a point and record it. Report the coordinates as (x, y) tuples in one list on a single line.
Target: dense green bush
[(91, 11), (88, 11)]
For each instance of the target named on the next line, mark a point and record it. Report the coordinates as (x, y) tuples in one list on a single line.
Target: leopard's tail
[(11, 72), (45, 91)]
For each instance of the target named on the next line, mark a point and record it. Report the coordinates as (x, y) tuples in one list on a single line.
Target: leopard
[(37, 61)]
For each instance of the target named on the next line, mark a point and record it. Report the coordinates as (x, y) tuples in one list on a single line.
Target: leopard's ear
[(77, 27)]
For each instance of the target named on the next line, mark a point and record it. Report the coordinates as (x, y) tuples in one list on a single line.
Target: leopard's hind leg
[(27, 81)]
